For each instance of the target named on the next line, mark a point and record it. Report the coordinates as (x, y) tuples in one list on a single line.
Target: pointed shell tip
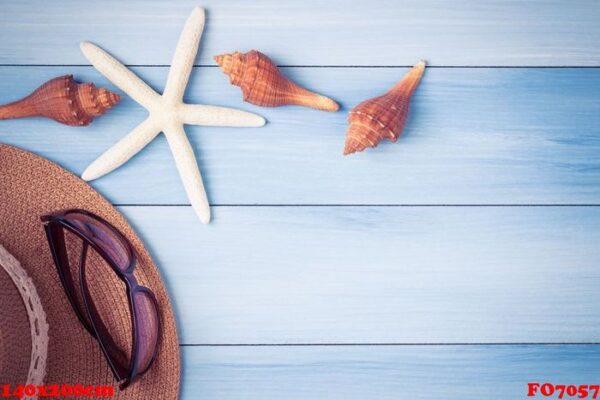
[(349, 148), (334, 106)]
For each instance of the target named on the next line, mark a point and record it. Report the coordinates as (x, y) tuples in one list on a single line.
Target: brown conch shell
[(262, 83), (382, 117), (63, 100)]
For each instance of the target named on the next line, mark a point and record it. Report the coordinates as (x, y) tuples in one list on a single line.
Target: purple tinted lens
[(74, 247), (68, 247), (108, 307), (147, 329), (110, 241)]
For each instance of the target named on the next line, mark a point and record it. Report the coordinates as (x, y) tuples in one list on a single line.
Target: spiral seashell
[(382, 117), (64, 100), (263, 84)]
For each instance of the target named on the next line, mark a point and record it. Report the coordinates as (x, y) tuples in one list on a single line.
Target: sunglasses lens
[(147, 329), (109, 310), (69, 249), (107, 239)]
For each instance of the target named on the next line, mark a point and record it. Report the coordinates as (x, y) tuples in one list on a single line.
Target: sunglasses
[(99, 236)]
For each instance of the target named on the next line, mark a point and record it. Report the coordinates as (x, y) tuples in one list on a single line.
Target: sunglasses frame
[(54, 224)]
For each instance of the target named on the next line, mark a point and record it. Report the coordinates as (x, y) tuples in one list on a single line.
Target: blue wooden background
[(460, 263)]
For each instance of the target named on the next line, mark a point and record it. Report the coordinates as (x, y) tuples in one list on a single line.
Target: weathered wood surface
[(379, 32), (475, 136), (379, 274), (383, 372), (340, 275)]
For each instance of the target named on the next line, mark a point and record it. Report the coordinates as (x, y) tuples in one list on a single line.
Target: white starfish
[(168, 113)]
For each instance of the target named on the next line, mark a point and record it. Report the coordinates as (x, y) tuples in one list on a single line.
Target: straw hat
[(31, 186)]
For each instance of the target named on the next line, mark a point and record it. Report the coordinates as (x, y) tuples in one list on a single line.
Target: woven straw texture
[(15, 339), (38, 327), (31, 186)]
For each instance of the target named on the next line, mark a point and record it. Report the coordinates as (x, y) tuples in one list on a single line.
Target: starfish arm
[(123, 150), (185, 54), (188, 170), (119, 74), (200, 114)]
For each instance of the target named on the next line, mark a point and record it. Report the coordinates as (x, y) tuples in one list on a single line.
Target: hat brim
[(31, 186)]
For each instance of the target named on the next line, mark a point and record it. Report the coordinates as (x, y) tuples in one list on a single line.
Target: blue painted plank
[(475, 136), (378, 32), (379, 274), (384, 372)]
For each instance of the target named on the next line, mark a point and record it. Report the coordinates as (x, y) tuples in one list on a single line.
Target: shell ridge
[(61, 99), (263, 83), (382, 117), (376, 120), (255, 68)]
